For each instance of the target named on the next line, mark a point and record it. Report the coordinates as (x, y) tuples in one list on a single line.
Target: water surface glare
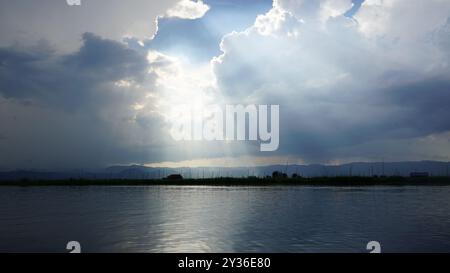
[(225, 219)]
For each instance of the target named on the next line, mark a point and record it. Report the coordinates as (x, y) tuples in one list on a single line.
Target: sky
[(92, 86)]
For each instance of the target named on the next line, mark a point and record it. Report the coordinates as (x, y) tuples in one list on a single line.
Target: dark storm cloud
[(107, 59), (400, 112), (65, 111), (70, 80), (426, 105)]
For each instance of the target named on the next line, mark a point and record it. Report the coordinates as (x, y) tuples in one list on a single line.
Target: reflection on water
[(224, 219)]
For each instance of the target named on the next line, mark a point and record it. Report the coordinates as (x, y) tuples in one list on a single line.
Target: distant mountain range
[(434, 168)]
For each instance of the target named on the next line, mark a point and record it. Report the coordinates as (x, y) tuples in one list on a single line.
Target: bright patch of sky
[(356, 5), (198, 40)]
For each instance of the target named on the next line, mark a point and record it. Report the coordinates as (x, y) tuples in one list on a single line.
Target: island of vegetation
[(277, 179)]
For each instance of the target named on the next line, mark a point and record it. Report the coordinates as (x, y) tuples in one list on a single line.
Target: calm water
[(225, 219)]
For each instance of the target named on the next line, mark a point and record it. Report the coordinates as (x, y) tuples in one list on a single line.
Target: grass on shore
[(250, 181)]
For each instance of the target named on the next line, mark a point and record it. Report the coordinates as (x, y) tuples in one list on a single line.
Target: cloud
[(198, 40), (68, 81), (101, 105), (343, 86), (349, 88), (24, 22), (390, 19), (77, 110), (188, 9), (315, 10)]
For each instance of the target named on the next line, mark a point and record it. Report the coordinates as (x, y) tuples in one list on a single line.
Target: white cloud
[(315, 10), (404, 21), (188, 9), (341, 82), (277, 21), (300, 54)]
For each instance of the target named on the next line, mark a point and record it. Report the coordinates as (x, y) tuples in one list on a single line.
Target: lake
[(225, 219)]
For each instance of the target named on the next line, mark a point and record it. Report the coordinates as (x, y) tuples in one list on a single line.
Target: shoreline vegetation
[(248, 181)]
